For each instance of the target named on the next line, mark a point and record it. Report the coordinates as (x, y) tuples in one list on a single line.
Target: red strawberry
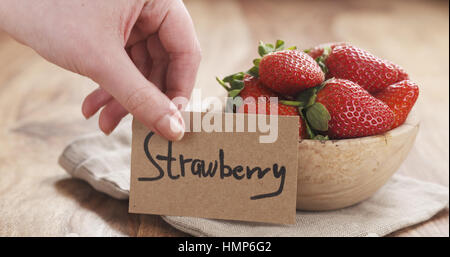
[(353, 111), (289, 71), (370, 72), (340, 109), (250, 105), (400, 97)]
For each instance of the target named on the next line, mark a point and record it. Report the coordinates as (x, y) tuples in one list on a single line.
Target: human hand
[(141, 53)]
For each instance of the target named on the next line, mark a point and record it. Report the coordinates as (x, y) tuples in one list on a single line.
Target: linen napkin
[(104, 163)]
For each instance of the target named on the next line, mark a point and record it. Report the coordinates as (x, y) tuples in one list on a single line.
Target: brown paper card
[(233, 192)]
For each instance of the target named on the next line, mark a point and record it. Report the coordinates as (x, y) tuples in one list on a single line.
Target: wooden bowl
[(339, 173)]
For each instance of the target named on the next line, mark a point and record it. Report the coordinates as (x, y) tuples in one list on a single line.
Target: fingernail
[(171, 126)]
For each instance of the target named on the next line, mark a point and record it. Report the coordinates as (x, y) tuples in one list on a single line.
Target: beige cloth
[(104, 162)]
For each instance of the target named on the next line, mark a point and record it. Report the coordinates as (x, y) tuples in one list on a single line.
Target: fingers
[(175, 57), (152, 15), (94, 101), (110, 116), (141, 58), (160, 61), (151, 59), (178, 37), (173, 25), (120, 77)]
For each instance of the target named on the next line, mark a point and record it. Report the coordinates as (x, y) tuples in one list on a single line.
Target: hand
[(141, 53)]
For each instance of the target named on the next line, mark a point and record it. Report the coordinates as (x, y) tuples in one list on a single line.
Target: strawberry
[(250, 105), (400, 97), (285, 71), (340, 109), (353, 111), (352, 63), (289, 71)]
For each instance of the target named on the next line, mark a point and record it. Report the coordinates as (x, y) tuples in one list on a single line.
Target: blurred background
[(40, 103)]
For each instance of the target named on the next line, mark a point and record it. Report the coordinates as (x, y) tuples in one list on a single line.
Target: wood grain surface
[(40, 104)]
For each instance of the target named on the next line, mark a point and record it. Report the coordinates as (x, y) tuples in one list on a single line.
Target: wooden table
[(40, 104)]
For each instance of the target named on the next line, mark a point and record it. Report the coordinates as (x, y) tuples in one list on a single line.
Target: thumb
[(118, 75)]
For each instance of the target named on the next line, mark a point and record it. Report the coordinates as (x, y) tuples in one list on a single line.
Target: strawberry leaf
[(235, 83), (318, 117), (279, 45), (264, 49), (235, 92), (254, 71), (233, 77), (308, 96)]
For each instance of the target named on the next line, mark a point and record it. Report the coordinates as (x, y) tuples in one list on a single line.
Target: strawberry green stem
[(291, 103), (309, 131), (222, 83)]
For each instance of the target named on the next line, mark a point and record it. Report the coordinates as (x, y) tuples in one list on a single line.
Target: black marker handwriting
[(204, 169)]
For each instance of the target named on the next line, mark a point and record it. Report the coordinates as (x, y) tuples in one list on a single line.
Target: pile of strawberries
[(338, 90)]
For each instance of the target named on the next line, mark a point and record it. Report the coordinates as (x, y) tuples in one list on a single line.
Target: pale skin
[(141, 53)]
